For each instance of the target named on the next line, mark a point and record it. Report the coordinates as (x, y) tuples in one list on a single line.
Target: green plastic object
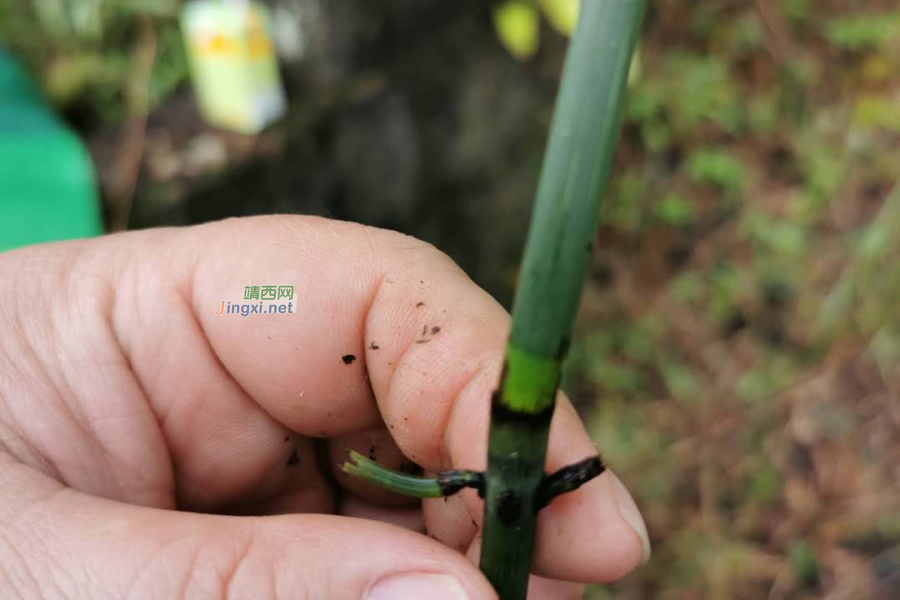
[(48, 191)]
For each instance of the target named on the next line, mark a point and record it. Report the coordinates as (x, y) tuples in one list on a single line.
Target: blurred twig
[(869, 255), (128, 165), (782, 47)]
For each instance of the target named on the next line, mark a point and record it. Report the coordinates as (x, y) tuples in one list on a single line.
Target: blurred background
[(738, 351)]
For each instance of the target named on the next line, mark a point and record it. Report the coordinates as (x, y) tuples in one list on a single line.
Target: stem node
[(568, 479)]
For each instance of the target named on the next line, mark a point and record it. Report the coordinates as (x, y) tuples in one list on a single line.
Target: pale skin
[(131, 413)]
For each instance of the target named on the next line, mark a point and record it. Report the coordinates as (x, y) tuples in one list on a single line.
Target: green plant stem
[(445, 483), (575, 172)]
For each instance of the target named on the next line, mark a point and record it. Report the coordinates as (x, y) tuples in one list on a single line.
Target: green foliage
[(171, 68), (863, 31), (804, 562), (746, 33), (764, 112), (782, 177), (867, 287), (713, 96), (765, 485), (662, 109), (86, 53), (776, 236), (616, 377), (718, 167), (821, 163), (775, 371), (617, 358), (724, 289), (797, 10), (877, 110), (517, 24), (682, 383), (624, 208), (687, 287), (562, 14), (675, 209)]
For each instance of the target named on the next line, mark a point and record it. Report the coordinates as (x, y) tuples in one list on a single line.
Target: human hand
[(125, 396)]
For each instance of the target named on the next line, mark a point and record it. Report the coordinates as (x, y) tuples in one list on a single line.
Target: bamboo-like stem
[(583, 137), (575, 173)]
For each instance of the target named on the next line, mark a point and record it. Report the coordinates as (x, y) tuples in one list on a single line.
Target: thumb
[(59, 543)]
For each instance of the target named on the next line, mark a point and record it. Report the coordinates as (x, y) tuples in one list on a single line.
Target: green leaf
[(873, 110), (562, 14), (687, 286), (716, 166), (823, 168), (675, 209), (681, 382), (862, 31), (637, 342), (765, 486), (725, 283), (616, 377), (518, 26), (797, 10), (747, 33), (804, 562), (634, 69), (714, 93), (875, 241), (787, 239), (624, 211)]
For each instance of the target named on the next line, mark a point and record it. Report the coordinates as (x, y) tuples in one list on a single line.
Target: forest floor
[(740, 353)]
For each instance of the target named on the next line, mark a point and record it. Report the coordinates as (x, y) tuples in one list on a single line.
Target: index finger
[(383, 326)]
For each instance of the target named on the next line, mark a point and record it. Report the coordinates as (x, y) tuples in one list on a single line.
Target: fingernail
[(417, 586), (629, 511)]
